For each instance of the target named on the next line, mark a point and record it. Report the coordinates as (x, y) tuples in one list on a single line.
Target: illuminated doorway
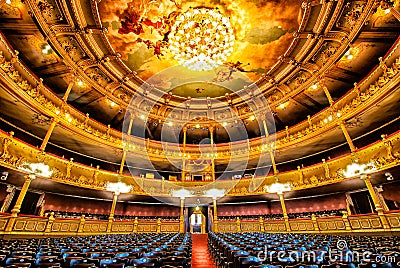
[(197, 222)]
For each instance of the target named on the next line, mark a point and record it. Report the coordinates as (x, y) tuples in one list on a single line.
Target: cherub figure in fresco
[(131, 23), (224, 73), (157, 46)]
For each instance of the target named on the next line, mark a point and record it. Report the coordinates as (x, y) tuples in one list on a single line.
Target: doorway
[(29, 205), (198, 221)]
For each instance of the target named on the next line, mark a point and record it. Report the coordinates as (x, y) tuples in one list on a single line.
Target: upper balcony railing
[(28, 87), (384, 154)]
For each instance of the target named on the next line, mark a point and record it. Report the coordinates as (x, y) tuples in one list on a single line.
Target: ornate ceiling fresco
[(140, 32)]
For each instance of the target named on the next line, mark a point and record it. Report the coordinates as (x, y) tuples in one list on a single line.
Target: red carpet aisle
[(201, 258)]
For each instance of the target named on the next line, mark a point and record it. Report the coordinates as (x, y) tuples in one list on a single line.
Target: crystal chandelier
[(201, 39)]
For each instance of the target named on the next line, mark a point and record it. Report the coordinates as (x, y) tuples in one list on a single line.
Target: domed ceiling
[(141, 31)]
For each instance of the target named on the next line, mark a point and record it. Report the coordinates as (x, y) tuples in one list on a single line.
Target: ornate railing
[(29, 88), (49, 226), (355, 223), (43, 226), (385, 154)]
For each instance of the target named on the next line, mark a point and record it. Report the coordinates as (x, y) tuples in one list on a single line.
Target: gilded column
[(328, 95), (112, 212), (48, 133), (215, 215), (8, 199), (375, 200), (135, 225), (18, 203), (345, 218), (238, 225), (284, 211), (211, 129), (261, 221), (271, 155), (347, 136), (121, 167), (181, 216), (159, 225), (266, 134), (315, 223), (184, 154), (21, 196), (70, 85)]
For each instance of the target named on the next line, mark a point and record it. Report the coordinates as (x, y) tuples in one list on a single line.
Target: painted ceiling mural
[(139, 30)]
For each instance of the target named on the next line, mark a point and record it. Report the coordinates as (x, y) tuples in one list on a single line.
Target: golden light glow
[(277, 188), (215, 193), (118, 187), (181, 193), (37, 169), (282, 106), (80, 83), (350, 54), (359, 170), (314, 86), (46, 49), (201, 39)]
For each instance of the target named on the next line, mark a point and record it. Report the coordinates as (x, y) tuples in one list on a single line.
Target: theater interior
[(202, 133)]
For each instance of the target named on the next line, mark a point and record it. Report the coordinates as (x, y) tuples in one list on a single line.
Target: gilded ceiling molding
[(384, 154), (379, 82), (322, 25)]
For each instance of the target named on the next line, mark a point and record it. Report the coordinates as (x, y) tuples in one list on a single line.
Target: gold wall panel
[(301, 225), (394, 220), (250, 226), (274, 226), (331, 224), (365, 222), (60, 225), (95, 227), (122, 227), (147, 227), (170, 228), (226, 227), (30, 225)]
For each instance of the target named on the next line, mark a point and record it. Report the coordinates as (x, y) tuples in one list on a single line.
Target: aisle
[(201, 258)]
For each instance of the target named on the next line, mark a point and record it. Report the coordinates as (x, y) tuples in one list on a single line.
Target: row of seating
[(300, 215), (135, 250), (264, 250), (67, 214)]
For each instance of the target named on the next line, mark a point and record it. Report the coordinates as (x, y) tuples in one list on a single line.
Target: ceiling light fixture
[(201, 39), (359, 170), (314, 86), (36, 169), (277, 187), (46, 49), (348, 55), (118, 187), (80, 83)]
